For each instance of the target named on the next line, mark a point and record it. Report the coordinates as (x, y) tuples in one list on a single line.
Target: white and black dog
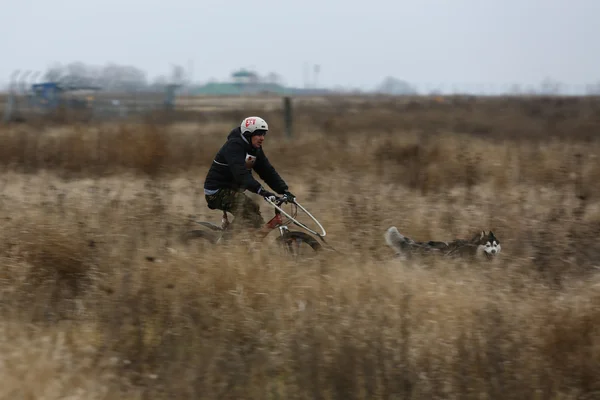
[(481, 245)]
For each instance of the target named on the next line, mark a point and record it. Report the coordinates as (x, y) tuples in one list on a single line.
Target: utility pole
[(190, 76), (306, 78)]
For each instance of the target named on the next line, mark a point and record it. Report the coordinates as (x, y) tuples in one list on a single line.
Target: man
[(231, 174)]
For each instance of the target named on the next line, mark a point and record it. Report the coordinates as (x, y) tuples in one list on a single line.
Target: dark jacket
[(233, 164)]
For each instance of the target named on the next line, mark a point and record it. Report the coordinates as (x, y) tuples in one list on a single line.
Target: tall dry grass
[(99, 299)]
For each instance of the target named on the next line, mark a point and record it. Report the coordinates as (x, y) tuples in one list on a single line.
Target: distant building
[(244, 82), (53, 94), (245, 77)]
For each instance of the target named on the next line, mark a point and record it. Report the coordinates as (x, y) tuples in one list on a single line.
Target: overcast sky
[(356, 43)]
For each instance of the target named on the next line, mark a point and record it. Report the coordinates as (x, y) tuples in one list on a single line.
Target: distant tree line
[(116, 77), (394, 86), (111, 76)]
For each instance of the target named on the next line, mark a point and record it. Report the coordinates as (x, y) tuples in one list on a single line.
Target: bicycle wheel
[(295, 243), (200, 234)]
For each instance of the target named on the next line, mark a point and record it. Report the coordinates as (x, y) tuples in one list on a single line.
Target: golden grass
[(99, 299)]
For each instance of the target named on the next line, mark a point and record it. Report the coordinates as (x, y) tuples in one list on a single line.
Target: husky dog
[(482, 244)]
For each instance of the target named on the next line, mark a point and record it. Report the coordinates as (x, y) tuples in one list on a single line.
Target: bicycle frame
[(281, 220), (277, 220), (292, 219)]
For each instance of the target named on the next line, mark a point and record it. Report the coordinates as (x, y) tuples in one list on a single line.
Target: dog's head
[(487, 244)]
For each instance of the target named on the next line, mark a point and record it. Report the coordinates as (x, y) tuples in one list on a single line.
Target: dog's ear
[(478, 237)]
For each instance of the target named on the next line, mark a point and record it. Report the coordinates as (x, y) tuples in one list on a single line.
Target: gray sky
[(357, 43)]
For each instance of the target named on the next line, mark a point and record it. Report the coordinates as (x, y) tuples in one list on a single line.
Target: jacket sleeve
[(235, 157), (267, 173)]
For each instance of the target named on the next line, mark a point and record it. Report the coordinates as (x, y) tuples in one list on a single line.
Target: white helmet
[(252, 124)]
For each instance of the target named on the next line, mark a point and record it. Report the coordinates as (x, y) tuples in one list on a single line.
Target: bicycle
[(289, 240)]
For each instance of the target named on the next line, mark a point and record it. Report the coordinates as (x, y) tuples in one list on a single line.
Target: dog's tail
[(395, 239)]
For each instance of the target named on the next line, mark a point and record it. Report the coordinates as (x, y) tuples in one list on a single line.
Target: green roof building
[(243, 82)]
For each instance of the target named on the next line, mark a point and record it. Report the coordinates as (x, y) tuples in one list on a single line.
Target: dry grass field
[(100, 300)]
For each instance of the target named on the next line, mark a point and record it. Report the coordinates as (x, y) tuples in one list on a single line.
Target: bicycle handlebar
[(284, 199), (280, 200)]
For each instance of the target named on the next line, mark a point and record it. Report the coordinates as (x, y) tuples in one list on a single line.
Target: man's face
[(257, 140)]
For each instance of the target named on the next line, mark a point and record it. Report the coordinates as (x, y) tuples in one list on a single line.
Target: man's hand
[(289, 195), (266, 194)]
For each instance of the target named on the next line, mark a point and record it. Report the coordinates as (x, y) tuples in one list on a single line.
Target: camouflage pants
[(245, 210)]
